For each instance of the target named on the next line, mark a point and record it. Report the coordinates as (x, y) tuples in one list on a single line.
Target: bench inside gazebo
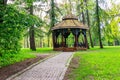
[(69, 29)]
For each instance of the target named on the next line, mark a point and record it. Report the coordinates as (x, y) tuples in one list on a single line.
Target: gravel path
[(51, 69)]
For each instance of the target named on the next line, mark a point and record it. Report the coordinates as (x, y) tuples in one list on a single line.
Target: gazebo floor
[(69, 49)]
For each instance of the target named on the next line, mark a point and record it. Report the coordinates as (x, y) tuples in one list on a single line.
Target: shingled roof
[(70, 21)]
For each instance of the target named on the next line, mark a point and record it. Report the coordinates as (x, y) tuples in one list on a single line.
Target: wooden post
[(86, 43), (62, 40), (75, 41), (65, 42)]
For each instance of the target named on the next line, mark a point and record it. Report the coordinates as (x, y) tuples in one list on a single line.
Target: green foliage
[(97, 64), (52, 14), (25, 53), (109, 21), (40, 50), (13, 23), (47, 50), (111, 30), (10, 58), (70, 40)]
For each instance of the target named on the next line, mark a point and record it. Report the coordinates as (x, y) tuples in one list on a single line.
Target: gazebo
[(69, 30)]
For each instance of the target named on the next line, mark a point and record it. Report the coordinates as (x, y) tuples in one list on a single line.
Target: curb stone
[(67, 64)]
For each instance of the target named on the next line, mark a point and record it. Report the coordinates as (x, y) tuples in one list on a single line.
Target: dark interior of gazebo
[(70, 29)]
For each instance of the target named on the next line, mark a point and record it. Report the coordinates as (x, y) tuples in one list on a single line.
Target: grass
[(8, 59), (97, 64), (39, 50), (25, 53)]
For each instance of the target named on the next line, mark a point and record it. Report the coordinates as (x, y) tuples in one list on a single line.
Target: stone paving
[(51, 69)]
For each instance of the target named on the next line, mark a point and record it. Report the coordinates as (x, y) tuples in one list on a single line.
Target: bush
[(12, 24)]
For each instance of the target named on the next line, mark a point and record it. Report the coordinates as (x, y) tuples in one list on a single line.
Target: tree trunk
[(32, 39), (3, 2), (31, 31), (24, 43), (40, 42), (98, 24), (52, 14), (27, 41), (88, 22), (52, 18), (48, 41), (116, 42), (83, 20)]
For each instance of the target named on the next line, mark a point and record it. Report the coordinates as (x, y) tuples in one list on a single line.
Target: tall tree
[(52, 14), (88, 23), (31, 31), (84, 21), (52, 18), (98, 24), (83, 13)]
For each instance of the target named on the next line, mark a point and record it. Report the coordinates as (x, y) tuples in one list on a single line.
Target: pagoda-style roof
[(70, 21)]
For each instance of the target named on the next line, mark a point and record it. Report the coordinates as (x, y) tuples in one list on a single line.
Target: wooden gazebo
[(69, 26)]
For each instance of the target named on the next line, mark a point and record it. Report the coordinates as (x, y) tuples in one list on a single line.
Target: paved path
[(51, 69)]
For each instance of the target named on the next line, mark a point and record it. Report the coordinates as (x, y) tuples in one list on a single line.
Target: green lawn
[(39, 50), (97, 64), (25, 53)]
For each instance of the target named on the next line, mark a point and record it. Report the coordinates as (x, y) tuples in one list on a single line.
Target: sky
[(108, 6), (115, 1), (60, 1)]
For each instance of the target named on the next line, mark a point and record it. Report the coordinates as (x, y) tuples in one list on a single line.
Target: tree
[(88, 23), (98, 24), (14, 22), (31, 32), (52, 18), (32, 29), (84, 20)]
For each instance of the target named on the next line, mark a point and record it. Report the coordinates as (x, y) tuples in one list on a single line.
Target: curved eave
[(70, 27), (69, 24)]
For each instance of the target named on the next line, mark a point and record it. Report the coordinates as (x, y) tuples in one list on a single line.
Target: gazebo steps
[(81, 48), (71, 49)]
